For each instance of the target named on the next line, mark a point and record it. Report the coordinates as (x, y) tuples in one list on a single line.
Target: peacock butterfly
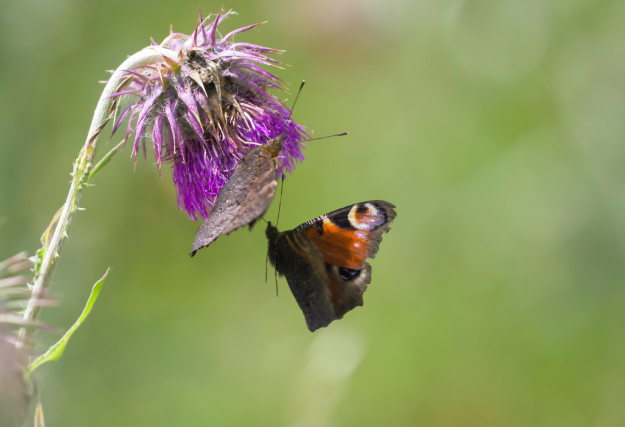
[(324, 259)]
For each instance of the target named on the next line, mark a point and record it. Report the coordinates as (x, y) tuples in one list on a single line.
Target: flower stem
[(82, 167)]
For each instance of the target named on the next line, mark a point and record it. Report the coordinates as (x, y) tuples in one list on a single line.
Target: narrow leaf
[(105, 159), (57, 349)]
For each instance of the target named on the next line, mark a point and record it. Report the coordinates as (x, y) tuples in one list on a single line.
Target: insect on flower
[(204, 110)]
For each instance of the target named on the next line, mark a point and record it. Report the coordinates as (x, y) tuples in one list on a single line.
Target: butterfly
[(324, 259), (246, 196)]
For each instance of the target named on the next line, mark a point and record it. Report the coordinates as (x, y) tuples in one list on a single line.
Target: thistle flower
[(204, 110)]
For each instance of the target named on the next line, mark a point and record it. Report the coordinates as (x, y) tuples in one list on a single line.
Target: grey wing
[(260, 195), (228, 203)]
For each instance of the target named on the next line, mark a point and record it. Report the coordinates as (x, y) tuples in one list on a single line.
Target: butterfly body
[(324, 259), (246, 196)]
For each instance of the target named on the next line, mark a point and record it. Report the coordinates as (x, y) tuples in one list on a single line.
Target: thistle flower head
[(202, 111)]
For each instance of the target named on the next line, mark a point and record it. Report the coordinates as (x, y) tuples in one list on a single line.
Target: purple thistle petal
[(157, 140), (139, 75), (254, 54), (125, 92), (261, 71), (122, 117), (221, 19), (204, 111), (228, 56), (202, 21), (255, 47), (257, 89), (240, 30), (145, 154), (141, 122), (195, 37), (189, 101), (172, 118), (129, 128), (194, 121), (213, 30)]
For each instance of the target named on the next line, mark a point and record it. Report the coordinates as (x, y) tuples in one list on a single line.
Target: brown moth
[(324, 259), (246, 196)]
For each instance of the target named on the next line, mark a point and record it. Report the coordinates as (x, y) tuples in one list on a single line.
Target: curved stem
[(82, 167)]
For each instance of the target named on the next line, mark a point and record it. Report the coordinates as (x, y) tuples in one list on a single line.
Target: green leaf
[(57, 349), (106, 159)]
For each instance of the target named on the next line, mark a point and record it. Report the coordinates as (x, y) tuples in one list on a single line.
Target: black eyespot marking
[(319, 227), (348, 273), (342, 220), (362, 209)]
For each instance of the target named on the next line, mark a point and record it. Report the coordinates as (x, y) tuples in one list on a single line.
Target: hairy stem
[(82, 167)]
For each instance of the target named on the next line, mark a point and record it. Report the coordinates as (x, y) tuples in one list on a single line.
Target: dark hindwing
[(346, 287), (297, 258), (245, 197)]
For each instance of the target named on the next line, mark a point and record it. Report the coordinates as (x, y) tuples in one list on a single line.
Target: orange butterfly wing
[(348, 236)]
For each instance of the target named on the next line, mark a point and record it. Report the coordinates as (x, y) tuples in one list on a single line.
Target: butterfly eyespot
[(366, 217)]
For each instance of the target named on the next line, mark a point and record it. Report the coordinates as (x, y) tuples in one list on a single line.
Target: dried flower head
[(205, 109), (13, 392), (13, 297)]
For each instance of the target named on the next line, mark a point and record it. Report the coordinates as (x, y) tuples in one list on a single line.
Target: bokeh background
[(497, 128)]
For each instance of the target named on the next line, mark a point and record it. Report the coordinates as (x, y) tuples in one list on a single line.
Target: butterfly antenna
[(295, 102), (324, 137), (263, 219), (280, 205)]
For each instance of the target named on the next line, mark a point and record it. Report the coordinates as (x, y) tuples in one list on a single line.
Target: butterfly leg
[(266, 265), (275, 270)]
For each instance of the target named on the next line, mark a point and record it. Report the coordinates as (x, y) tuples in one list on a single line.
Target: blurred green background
[(497, 128)]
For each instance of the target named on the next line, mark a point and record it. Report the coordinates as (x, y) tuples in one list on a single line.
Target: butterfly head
[(271, 232), (275, 145)]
